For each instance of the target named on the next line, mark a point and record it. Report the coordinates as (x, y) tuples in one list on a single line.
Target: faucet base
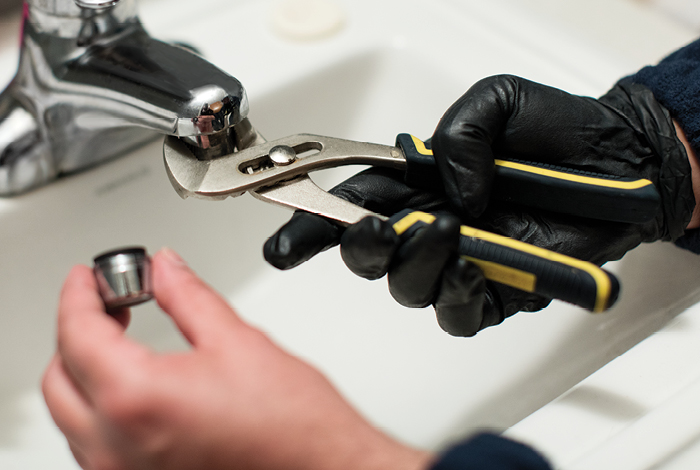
[(93, 85)]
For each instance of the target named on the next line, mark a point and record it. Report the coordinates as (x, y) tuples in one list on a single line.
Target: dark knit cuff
[(675, 82), (488, 451)]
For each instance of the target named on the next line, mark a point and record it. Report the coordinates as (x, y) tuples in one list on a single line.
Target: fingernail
[(172, 257)]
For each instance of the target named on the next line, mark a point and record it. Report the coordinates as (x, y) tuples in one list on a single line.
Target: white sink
[(395, 67)]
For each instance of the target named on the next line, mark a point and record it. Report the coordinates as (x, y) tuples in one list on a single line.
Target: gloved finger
[(462, 145), (367, 247), (501, 302), (460, 303), (468, 304), (383, 190), (414, 276), (300, 239), (380, 190)]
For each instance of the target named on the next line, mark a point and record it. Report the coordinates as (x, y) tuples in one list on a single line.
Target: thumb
[(198, 311), (463, 140)]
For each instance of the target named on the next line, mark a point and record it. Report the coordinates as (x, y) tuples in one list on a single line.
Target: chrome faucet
[(92, 85)]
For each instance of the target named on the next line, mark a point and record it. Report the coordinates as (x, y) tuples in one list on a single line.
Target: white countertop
[(640, 411)]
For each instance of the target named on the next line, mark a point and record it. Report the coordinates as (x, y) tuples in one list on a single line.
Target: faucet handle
[(96, 4)]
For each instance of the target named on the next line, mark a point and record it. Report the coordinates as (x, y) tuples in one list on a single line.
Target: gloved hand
[(625, 133)]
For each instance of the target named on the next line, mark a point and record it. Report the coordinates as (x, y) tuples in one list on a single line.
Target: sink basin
[(394, 67)]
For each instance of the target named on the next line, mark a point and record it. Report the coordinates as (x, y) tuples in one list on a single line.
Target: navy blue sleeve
[(491, 452), (675, 82)]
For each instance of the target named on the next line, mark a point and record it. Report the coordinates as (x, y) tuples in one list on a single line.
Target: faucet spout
[(92, 84)]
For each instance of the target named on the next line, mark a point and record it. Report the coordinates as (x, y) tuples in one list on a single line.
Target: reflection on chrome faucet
[(92, 85)]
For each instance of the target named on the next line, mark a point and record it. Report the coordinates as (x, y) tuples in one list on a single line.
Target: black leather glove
[(625, 133)]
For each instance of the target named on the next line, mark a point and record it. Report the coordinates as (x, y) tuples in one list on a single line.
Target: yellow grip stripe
[(590, 180), (420, 146), (601, 280), (506, 275), (407, 222)]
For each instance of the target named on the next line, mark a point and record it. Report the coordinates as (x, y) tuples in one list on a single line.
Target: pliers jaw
[(277, 172), (267, 164)]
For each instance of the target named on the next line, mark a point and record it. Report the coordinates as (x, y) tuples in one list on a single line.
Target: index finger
[(91, 343)]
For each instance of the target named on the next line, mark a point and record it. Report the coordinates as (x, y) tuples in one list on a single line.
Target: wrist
[(397, 456), (695, 175), (374, 450)]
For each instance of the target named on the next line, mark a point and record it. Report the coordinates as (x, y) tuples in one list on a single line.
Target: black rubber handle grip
[(548, 187), (526, 267)]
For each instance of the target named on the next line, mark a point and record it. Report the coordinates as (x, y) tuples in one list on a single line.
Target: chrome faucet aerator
[(124, 277), (92, 85)]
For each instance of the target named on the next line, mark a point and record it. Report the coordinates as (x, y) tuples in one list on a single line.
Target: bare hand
[(235, 400)]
